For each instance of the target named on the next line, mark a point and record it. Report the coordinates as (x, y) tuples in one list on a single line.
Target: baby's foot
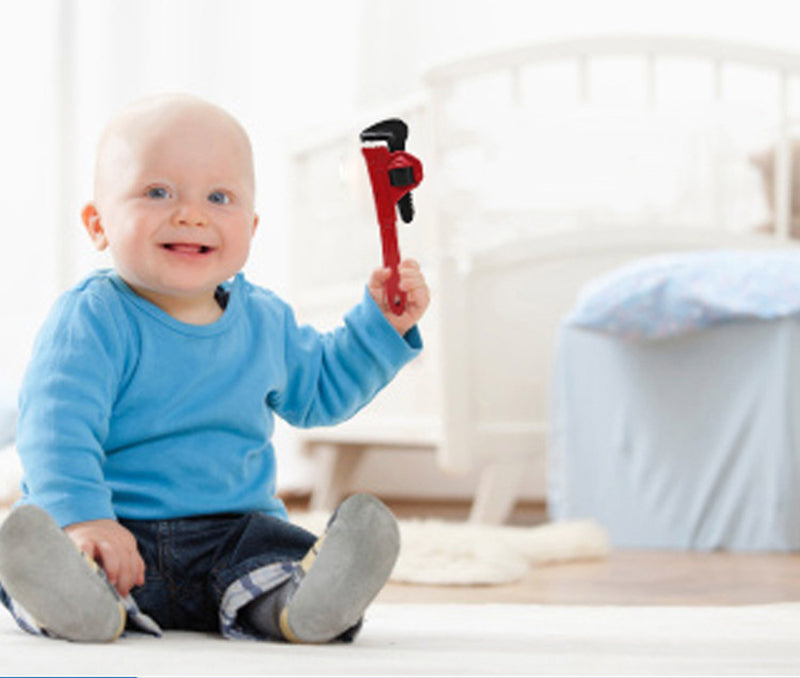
[(343, 572), (62, 589)]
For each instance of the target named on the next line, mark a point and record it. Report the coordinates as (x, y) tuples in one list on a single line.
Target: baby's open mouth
[(186, 248)]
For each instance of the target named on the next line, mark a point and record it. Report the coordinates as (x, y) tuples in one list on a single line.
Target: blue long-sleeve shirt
[(127, 412)]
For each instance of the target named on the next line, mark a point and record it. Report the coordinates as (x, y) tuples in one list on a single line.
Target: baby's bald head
[(157, 122)]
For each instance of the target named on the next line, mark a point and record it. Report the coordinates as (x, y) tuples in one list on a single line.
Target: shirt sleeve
[(65, 408), (331, 376)]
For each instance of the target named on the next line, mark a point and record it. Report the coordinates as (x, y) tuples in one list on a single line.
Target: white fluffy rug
[(453, 553), (458, 640)]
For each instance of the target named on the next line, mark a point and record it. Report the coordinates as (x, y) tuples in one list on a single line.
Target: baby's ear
[(91, 220)]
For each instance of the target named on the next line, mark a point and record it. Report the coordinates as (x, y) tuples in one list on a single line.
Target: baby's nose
[(188, 213)]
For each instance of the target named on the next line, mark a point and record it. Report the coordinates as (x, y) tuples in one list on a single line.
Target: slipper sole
[(344, 571), (62, 589)]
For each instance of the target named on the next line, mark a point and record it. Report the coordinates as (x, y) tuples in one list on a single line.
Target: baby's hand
[(412, 282), (114, 547)]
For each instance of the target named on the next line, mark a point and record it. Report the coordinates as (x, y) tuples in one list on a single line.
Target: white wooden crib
[(546, 165)]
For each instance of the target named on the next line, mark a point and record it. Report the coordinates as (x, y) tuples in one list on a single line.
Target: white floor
[(458, 640)]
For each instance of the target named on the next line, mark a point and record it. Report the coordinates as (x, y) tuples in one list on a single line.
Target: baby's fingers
[(112, 564), (379, 277), (411, 282), (411, 277), (376, 286), (411, 264)]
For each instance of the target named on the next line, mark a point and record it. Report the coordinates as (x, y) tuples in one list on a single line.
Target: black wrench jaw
[(394, 133)]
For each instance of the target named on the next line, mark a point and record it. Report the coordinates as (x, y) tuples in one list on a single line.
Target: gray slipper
[(61, 588), (343, 572)]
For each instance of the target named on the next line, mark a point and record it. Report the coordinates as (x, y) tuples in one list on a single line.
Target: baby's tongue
[(190, 249)]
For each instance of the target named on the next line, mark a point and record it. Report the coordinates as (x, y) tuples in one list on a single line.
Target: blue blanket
[(669, 295)]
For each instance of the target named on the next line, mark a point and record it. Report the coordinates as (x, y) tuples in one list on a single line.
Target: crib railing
[(506, 77)]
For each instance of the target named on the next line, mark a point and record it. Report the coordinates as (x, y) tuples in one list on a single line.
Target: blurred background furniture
[(546, 166)]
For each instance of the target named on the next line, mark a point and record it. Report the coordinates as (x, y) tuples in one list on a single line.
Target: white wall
[(406, 38), (29, 176)]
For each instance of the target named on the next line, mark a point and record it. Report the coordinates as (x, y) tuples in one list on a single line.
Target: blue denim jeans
[(201, 571)]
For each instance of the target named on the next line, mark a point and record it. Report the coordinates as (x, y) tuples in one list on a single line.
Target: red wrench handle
[(391, 259)]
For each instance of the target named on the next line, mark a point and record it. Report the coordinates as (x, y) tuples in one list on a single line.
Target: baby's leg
[(338, 578), (65, 593)]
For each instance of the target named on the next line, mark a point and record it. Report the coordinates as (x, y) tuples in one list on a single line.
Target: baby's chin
[(176, 290), (182, 281)]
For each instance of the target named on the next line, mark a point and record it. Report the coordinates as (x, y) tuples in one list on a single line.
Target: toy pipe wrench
[(393, 174)]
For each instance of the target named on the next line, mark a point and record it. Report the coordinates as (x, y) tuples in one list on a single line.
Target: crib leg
[(336, 466), (497, 491)]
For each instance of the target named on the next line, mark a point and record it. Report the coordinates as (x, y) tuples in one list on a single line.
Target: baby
[(146, 412)]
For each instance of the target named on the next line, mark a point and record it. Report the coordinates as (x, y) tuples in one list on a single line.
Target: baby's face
[(174, 203)]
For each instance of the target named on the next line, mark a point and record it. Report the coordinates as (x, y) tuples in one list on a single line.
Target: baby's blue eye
[(157, 193), (219, 198)]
